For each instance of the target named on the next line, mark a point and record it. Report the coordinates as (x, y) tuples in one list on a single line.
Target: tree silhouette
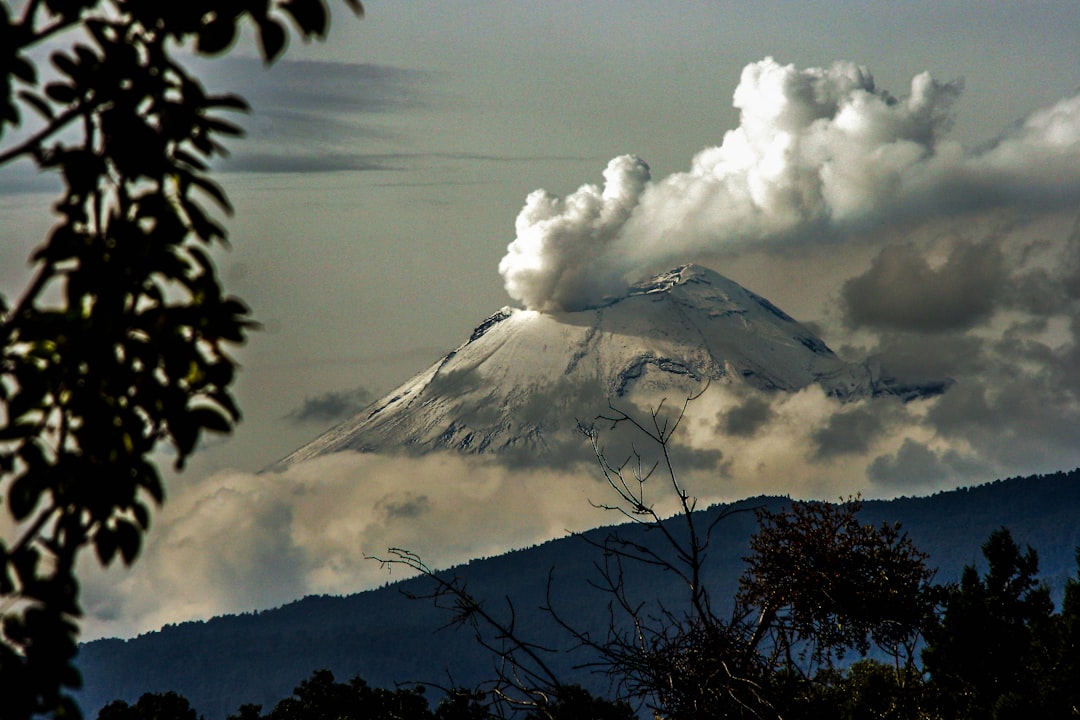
[(818, 583), (823, 583), (150, 706), (320, 697), (985, 656), (119, 342)]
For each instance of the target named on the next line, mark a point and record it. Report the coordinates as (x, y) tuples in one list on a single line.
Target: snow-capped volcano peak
[(685, 275), (523, 379)]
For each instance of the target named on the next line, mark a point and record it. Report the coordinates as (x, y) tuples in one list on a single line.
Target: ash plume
[(819, 153)]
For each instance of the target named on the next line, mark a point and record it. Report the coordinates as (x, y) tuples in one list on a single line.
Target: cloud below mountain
[(237, 541), (234, 541)]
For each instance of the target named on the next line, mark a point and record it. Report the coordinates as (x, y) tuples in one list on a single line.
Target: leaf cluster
[(120, 341), (151, 706)]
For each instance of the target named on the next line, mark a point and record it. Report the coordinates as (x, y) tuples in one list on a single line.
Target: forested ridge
[(386, 638)]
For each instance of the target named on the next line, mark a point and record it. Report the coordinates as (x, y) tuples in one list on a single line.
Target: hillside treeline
[(821, 589), (386, 639)]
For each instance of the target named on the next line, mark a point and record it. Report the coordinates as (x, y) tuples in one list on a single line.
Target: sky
[(903, 178)]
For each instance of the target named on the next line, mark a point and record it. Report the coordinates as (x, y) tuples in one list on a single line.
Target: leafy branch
[(121, 339)]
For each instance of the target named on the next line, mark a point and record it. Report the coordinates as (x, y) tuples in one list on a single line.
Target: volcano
[(525, 380)]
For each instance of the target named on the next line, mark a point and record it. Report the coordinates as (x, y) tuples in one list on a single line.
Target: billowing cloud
[(994, 312), (238, 541), (550, 265), (819, 153), (902, 291), (851, 433)]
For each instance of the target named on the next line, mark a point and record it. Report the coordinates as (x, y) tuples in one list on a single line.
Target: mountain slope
[(524, 378), (386, 638)]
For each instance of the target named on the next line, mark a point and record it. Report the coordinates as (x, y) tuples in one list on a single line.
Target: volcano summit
[(524, 379)]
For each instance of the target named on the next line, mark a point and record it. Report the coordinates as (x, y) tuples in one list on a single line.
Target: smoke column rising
[(817, 150)]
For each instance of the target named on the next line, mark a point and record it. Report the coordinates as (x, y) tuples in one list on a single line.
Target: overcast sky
[(381, 183)]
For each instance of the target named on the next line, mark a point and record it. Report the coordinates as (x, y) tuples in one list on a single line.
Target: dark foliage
[(822, 583), (151, 706), (321, 698), (575, 703), (998, 650), (119, 341)]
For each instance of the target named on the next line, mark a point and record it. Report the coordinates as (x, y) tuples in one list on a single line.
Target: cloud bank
[(966, 268), (239, 541), (819, 153)]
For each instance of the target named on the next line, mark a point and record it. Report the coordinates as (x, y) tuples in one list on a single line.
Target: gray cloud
[(851, 433), (1015, 413), (319, 87), (332, 406), (916, 468), (1014, 407), (902, 291), (270, 162), (19, 178), (408, 505), (310, 116), (747, 418)]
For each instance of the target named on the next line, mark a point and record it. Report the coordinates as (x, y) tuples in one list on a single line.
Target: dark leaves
[(216, 36), (120, 343), (228, 102), (24, 70), (272, 39), (105, 544), (65, 64), (61, 93), (24, 494), (38, 103), (820, 576), (311, 17), (128, 539), (210, 419)]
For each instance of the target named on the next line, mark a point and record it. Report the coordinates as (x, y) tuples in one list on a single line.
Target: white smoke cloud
[(817, 151), (549, 265)]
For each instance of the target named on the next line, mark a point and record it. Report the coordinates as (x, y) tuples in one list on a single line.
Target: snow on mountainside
[(524, 378)]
